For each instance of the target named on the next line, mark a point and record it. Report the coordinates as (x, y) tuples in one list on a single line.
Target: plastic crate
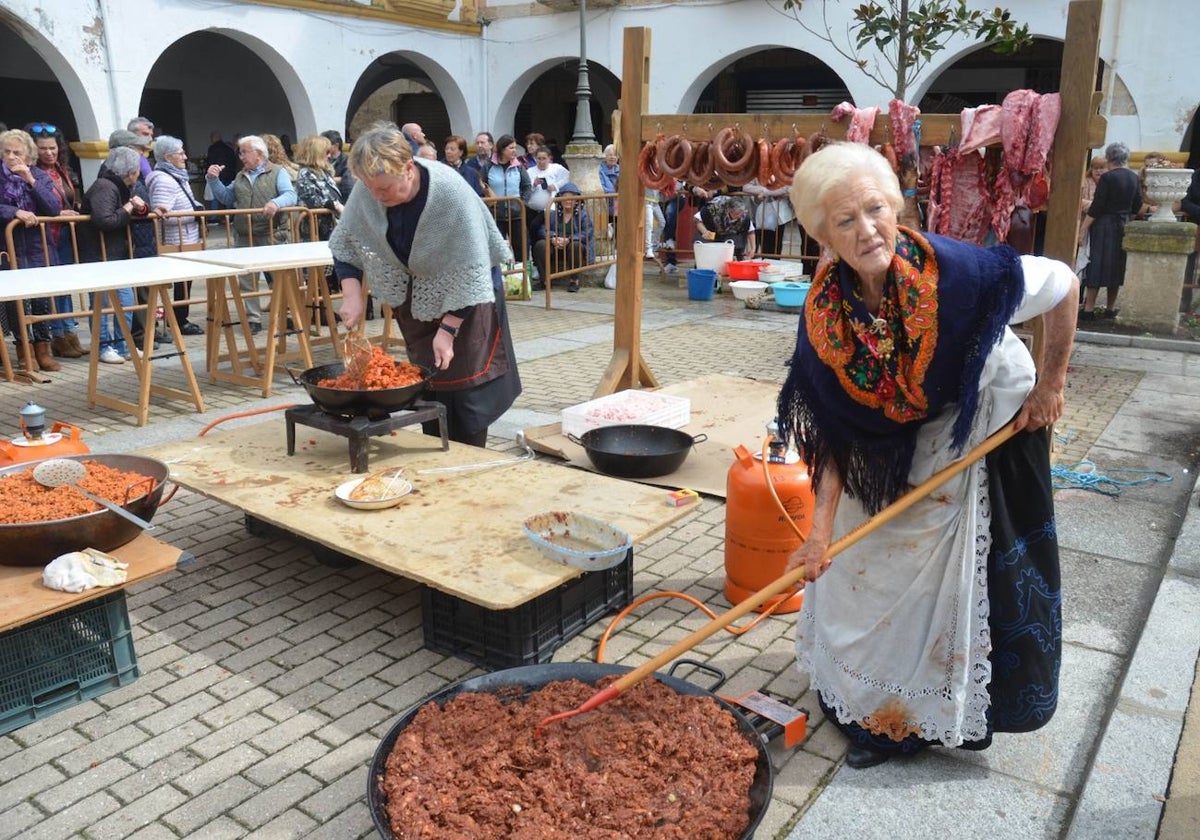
[(64, 659), (648, 408), (528, 634)]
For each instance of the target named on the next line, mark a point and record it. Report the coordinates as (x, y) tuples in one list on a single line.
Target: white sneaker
[(110, 356), (672, 268), (650, 255), (668, 245)]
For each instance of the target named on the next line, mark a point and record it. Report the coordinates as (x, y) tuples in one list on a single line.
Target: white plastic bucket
[(712, 256)]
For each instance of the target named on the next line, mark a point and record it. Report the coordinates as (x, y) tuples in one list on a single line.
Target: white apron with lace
[(895, 634)]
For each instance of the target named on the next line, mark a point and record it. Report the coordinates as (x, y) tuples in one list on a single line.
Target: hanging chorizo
[(674, 156), (734, 156), (700, 171), (652, 177)]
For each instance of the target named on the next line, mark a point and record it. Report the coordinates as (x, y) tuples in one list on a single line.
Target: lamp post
[(583, 90), (583, 153)]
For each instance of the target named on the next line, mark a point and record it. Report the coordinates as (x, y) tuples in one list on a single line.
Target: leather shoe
[(862, 757), (191, 329)]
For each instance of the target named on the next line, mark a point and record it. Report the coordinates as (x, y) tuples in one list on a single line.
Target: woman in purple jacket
[(27, 192)]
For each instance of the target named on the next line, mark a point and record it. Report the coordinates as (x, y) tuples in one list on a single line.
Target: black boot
[(862, 757), (370, 316)]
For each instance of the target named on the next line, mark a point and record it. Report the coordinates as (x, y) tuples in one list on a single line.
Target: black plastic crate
[(61, 660), (528, 634)]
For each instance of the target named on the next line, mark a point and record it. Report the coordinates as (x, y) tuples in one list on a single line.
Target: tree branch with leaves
[(905, 34)]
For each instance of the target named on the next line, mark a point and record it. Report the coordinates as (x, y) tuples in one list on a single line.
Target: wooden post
[(1077, 83), (627, 368)]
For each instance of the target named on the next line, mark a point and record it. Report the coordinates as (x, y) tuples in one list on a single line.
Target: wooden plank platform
[(24, 598), (459, 532)]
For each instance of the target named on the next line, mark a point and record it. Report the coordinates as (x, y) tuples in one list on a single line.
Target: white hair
[(255, 142), (123, 161), (831, 168)]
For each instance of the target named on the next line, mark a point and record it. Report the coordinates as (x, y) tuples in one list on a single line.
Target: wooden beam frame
[(1080, 128)]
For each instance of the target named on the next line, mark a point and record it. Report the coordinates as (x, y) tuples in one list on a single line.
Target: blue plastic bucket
[(701, 282)]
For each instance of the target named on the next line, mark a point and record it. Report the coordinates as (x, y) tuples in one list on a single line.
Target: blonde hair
[(831, 168), (312, 153), (380, 150), (277, 155), (24, 138)]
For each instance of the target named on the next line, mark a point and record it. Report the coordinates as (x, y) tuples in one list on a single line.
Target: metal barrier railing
[(294, 220)]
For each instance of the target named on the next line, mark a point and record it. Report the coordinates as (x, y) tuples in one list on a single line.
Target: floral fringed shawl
[(862, 383)]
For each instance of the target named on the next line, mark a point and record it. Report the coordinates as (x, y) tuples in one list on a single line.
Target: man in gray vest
[(260, 183)]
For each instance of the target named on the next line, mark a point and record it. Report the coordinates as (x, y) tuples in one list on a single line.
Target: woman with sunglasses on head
[(26, 193), (53, 159)]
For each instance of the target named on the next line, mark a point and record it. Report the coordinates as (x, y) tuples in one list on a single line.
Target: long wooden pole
[(627, 368), (790, 579)]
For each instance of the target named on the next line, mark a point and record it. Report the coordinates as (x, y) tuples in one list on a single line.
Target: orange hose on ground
[(240, 414), (736, 631)]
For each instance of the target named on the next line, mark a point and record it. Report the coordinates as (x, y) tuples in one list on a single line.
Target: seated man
[(725, 218), (571, 238)]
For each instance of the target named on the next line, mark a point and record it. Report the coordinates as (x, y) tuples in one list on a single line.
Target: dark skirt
[(1024, 594), (1106, 258), (472, 409)]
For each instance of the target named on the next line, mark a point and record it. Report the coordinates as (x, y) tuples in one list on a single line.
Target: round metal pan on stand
[(637, 451), (529, 679), (365, 401)]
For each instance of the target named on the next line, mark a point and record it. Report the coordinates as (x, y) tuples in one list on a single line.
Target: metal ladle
[(57, 472)]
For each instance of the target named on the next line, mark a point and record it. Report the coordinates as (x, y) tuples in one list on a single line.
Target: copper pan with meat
[(36, 543), (562, 775)]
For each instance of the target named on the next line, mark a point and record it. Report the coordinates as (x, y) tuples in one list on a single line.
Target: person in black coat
[(112, 206), (1118, 198)]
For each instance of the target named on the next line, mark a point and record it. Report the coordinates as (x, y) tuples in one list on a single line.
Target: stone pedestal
[(1155, 267), (584, 159)]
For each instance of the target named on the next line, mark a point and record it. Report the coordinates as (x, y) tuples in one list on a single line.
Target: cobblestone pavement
[(267, 679)]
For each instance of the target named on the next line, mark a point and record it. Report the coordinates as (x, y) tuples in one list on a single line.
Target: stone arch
[(271, 96), (402, 73), (80, 92), (974, 75), (605, 92), (799, 79)]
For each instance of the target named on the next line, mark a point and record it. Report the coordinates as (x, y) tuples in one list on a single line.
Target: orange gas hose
[(240, 414), (736, 631)]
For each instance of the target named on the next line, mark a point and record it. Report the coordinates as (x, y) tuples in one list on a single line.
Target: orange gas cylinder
[(758, 539), (36, 443)]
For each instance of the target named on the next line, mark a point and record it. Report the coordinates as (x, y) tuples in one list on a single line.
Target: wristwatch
[(452, 330)]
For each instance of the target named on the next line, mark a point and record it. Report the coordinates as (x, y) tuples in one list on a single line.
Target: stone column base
[(1156, 262)]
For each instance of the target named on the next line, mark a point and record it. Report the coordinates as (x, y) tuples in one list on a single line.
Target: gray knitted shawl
[(454, 248)]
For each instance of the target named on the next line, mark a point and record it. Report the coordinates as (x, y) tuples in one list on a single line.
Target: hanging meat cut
[(862, 120)]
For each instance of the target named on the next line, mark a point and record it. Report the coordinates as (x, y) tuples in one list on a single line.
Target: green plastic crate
[(59, 661)]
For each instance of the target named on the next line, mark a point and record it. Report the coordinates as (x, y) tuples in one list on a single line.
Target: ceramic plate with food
[(374, 492)]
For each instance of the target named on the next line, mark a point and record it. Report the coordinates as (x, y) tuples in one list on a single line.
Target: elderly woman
[(943, 625), (170, 191), (27, 192), (433, 253), (1117, 199), (112, 206)]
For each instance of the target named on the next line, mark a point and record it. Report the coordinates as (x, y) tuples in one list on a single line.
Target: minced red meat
[(651, 763)]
